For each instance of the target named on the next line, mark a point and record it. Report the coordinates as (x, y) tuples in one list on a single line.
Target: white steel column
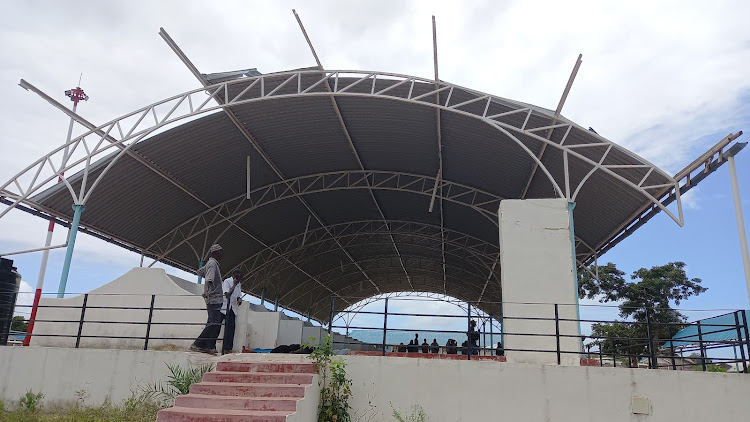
[(536, 266), (740, 221)]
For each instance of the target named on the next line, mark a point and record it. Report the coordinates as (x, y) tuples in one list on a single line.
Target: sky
[(666, 79)]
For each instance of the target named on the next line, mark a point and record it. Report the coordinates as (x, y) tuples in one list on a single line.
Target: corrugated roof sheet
[(715, 329), (303, 137)]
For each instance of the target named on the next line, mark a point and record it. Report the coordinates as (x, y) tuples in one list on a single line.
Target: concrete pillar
[(536, 258)]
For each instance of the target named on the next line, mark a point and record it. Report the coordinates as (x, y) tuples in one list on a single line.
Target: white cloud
[(691, 200), (657, 77), (24, 300)]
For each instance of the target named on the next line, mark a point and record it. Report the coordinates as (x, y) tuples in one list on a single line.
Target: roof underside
[(335, 227)]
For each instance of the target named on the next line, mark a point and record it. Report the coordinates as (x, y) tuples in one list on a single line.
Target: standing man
[(214, 297), (232, 290)]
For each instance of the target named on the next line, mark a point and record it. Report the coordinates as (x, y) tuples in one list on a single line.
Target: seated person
[(500, 349), (434, 347), (465, 348), (410, 348), (451, 347), (402, 348), (425, 346)]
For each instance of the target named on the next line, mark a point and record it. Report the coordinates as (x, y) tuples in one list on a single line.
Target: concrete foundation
[(536, 266)]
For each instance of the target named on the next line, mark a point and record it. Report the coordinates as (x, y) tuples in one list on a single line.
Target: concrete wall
[(536, 266), (451, 391), (60, 372), (317, 332), (58, 319), (264, 329), (447, 390), (133, 289), (290, 331)]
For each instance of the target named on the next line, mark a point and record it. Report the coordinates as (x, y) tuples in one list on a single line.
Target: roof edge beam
[(553, 124)]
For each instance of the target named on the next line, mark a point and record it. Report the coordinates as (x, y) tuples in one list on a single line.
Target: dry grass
[(130, 411)]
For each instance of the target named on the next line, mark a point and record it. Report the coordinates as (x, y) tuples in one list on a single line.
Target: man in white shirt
[(232, 289)]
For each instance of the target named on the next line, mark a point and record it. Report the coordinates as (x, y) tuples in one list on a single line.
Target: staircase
[(246, 392)]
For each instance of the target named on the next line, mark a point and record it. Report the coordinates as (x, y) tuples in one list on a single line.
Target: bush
[(177, 383), (31, 402), (335, 388), (417, 415)]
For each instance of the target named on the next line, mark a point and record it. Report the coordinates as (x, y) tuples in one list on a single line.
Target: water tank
[(10, 281)]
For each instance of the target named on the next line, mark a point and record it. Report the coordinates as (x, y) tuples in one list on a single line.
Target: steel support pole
[(39, 285), (262, 296), (77, 210), (571, 206), (650, 334), (702, 347), (330, 315), (468, 331), (276, 304), (200, 265), (739, 341), (557, 333), (48, 241), (740, 221), (385, 325), (492, 339)]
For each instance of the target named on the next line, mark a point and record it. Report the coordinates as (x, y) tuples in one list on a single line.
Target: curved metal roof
[(344, 167)]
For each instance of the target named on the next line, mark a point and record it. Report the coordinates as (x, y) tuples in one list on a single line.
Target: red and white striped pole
[(76, 94)]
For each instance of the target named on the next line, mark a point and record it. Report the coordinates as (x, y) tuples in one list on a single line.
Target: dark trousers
[(228, 343), (207, 338)]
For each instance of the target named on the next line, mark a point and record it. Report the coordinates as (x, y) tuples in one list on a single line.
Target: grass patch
[(130, 411)]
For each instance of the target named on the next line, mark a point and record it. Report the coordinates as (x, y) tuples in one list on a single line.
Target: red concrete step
[(297, 368), (204, 401), (259, 377), (247, 389), (184, 414)]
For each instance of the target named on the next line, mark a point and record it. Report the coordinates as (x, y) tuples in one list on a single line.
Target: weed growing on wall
[(31, 402), (417, 414), (178, 383), (335, 387)]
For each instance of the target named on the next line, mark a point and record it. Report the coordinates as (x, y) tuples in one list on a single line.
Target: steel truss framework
[(234, 209), (95, 151), (420, 234)]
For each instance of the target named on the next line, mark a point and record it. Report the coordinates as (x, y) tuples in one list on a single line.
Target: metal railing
[(85, 307), (649, 348), (636, 351)]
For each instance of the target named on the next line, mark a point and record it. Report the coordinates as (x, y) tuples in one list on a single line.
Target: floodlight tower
[(76, 95)]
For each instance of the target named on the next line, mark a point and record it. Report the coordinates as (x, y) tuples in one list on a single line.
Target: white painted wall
[(451, 391), (536, 266), (133, 289), (264, 329), (290, 331), (60, 372), (256, 326), (447, 390), (317, 332)]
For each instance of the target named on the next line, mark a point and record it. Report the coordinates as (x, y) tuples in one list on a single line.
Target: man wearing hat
[(214, 297)]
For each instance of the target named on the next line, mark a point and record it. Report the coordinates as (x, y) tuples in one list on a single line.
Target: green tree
[(18, 324), (653, 290)]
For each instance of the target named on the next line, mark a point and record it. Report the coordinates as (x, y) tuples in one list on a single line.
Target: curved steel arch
[(474, 246), (273, 87), (481, 201), (357, 307), (330, 277), (475, 269)]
